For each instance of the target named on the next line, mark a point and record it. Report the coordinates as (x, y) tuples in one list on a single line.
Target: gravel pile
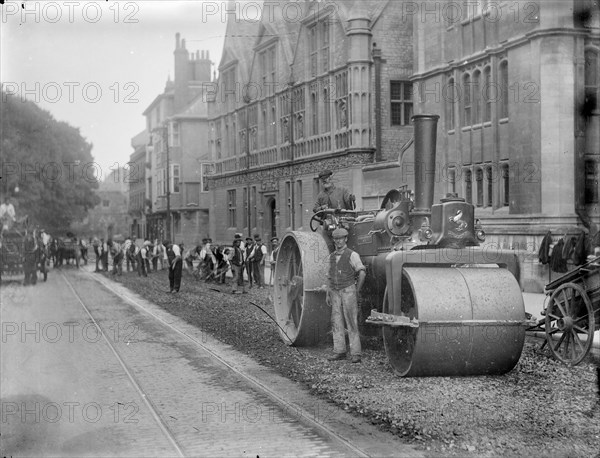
[(540, 408)]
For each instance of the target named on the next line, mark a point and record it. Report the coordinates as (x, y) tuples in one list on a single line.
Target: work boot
[(356, 358), (336, 356)]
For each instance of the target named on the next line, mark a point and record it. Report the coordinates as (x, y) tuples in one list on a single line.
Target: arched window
[(479, 179), (468, 187), (450, 99), (265, 130), (467, 100), (506, 185), (503, 88), (327, 111), (489, 179), (452, 180), (476, 97), (314, 108), (488, 94)]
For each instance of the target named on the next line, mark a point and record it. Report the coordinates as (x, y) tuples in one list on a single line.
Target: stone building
[(177, 121), (328, 89), (515, 85)]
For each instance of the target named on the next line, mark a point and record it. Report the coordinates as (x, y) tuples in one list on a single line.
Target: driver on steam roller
[(332, 196)]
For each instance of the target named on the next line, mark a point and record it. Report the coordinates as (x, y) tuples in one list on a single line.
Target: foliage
[(46, 159)]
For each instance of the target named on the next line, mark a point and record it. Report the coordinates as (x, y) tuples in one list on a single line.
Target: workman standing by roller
[(346, 277)]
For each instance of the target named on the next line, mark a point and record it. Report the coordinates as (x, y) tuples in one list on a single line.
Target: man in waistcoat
[(259, 256), (273, 257), (346, 278), (248, 252), (237, 267), (175, 266)]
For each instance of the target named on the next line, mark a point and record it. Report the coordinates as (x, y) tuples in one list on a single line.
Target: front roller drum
[(471, 322), (300, 303)]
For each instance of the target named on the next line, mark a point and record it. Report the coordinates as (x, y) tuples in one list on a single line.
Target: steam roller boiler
[(447, 305)]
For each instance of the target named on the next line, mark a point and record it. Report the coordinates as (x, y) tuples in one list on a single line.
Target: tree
[(47, 160)]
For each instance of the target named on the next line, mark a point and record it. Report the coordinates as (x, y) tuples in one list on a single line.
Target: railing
[(303, 148)]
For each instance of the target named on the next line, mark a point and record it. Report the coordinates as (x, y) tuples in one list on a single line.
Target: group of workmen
[(212, 261)]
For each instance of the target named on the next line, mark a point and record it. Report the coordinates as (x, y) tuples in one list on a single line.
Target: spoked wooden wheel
[(569, 323), (300, 308)]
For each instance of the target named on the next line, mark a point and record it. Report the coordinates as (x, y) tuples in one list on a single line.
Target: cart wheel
[(569, 315)]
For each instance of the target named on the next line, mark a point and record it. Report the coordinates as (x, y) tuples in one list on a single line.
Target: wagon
[(573, 313), (11, 253)]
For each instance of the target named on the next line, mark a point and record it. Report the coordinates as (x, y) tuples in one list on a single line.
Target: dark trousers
[(175, 276), (104, 259), (131, 261), (118, 264), (238, 277), (248, 268), (257, 273), (141, 265), (30, 270)]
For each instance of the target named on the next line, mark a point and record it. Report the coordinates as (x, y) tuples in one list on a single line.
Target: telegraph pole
[(166, 135), (249, 211)]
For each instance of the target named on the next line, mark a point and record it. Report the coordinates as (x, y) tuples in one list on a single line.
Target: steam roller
[(446, 305)]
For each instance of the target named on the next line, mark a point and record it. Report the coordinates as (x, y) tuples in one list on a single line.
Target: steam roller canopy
[(470, 322), (300, 304)]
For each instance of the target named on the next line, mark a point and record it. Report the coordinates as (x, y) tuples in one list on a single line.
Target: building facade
[(515, 85), (178, 157), (304, 96)]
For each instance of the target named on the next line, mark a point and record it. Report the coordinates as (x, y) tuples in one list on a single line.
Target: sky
[(99, 65)]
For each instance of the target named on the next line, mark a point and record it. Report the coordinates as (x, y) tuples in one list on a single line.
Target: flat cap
[(325, 174), (238, 236), (339, 232), (249, 238), (274, 239)]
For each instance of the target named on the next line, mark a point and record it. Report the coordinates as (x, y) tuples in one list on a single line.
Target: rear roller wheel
[(569, 317), (300, 302)]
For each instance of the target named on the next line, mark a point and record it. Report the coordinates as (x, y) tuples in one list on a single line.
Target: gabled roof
[(197, 108), (239, 39)]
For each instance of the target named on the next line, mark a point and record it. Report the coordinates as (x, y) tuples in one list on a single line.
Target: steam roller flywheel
[(300, 304), (470, 322)]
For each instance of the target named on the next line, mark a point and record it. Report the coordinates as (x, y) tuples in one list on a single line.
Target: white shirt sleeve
[(356, 263)]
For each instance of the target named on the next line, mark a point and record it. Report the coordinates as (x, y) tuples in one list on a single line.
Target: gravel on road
[(540, 408)]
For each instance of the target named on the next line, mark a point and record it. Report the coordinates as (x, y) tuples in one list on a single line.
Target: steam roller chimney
[(425, 133)]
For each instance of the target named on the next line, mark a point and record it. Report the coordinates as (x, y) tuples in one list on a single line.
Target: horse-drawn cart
[(572, 313), (22, 254)]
